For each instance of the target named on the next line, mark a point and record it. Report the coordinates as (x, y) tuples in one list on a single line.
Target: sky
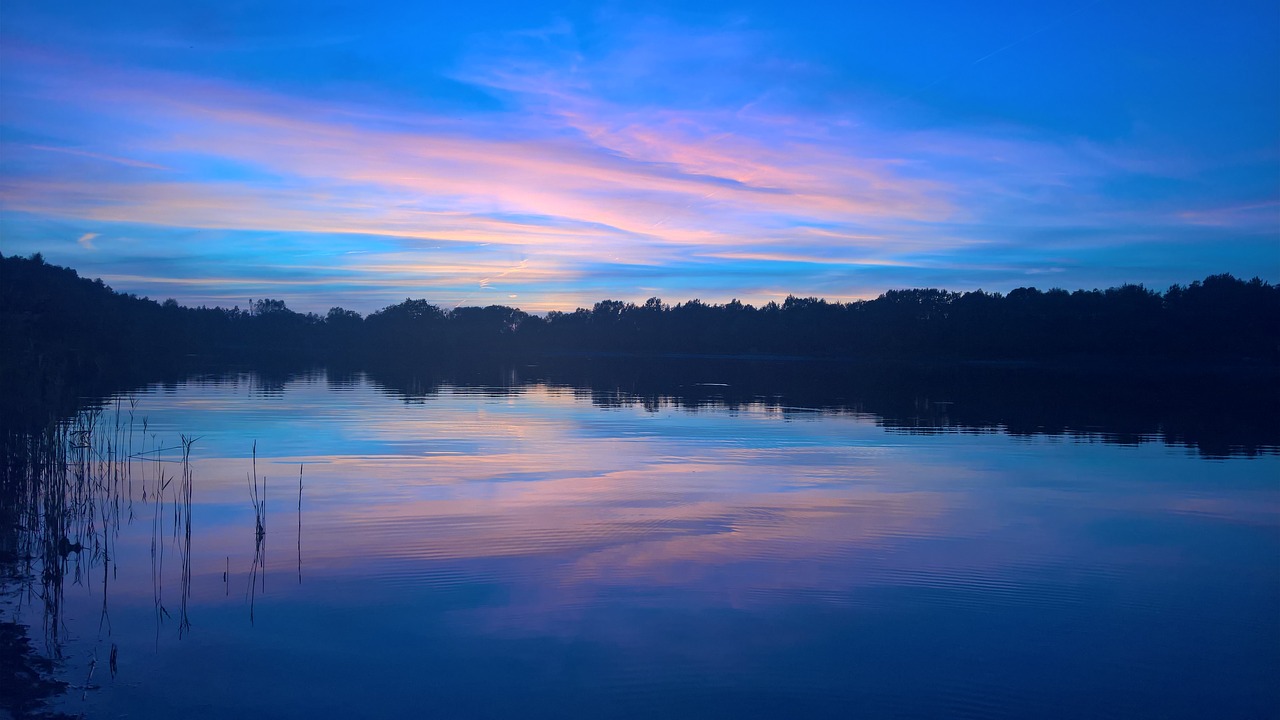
[(548, 156)]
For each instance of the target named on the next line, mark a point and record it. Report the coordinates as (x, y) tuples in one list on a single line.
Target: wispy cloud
[(100, 156), (1264, 215)]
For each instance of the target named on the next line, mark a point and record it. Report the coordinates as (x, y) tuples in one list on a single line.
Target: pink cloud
[(663, 183)]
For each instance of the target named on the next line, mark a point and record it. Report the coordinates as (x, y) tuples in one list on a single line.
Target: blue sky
[(549, 156)]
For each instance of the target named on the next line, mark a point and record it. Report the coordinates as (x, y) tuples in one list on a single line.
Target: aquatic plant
[(65, 490), (257, 571)]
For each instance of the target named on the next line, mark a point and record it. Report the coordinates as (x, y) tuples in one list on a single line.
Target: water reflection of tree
[(1218, 413)]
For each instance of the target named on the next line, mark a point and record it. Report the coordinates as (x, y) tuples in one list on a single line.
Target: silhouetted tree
[(59, 324)]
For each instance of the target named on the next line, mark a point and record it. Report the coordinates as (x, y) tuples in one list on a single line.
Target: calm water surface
[(477, 553)]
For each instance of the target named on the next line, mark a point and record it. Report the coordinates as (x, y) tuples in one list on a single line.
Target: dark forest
[(53, 319)]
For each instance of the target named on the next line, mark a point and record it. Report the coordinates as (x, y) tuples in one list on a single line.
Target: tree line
[(52, 318)]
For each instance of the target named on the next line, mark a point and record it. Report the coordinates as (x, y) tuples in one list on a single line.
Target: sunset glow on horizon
[(548, 158)]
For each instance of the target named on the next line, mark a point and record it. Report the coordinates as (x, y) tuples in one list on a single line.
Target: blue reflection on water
[(530, 554)]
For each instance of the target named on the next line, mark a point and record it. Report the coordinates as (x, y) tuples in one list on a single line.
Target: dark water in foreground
[(487, 552)]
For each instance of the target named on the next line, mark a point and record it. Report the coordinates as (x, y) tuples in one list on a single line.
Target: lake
[(342, 544)]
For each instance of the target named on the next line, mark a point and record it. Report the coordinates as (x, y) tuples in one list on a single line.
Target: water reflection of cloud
[(707, 508), (561, 504)]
